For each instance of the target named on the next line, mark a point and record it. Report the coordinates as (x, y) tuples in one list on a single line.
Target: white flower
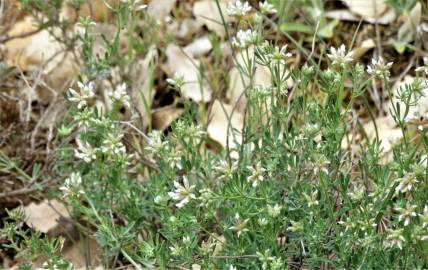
[(357, 193), (72, 184), (274, 211), (265, 258), (81, 26), (406, 213), (349, 224), (175, 250), (84, 118), (174, 158), (186, 240), (395, 238), (312, 199), (406, 183), (238, 9), (112, 145), (85, 151), (80, 97), (424, 217), (423, 68), (262, 221), (320, 164), (177, 81), (256, 174), (240, 225), (225, 169), (277, 263), (120, 95), (183, 193), (296, 226), (279, 55), (244, 38), (338, 55), (231, 267), (155, 144), (379, 67), (267, 8)]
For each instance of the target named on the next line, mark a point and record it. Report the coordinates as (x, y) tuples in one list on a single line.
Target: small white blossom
[(84, 23), (225, 169), (186, 240), (395, 238), (244, 38), (265, 258), (406, 213), (262, 221), (338, 56), (155, 144), (232, 267), (274, 211), (183, 193), (357, 193), (174, 158), (120, 95), (86, 91), (423, 68), (349, 224), (406, 183), (85, 151), (112, 145), (320, 164), (84, 118), (175, 250), (424, 217), (296, 226), (379, 67), (208, 246), (312, 199), (238, 9), (256, 175), (177, 81), (277, 263), (240, 225), (279, 55), (267, 8), (72, 184)]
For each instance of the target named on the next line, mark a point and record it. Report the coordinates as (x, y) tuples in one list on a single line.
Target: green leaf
[(399, 46), (327, 30), (297, 27)]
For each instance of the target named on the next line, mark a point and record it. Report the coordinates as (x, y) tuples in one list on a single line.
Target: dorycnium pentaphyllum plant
[(287, 194)]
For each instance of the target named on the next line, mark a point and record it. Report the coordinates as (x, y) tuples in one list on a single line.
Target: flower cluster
[(267, 8), (379, 67), (81, 97), (339, 56), (183, 193), (72, 185), (120, 95), (244, 39), (238, 9)]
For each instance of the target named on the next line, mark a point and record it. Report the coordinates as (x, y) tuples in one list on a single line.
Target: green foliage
[(285, 196)]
